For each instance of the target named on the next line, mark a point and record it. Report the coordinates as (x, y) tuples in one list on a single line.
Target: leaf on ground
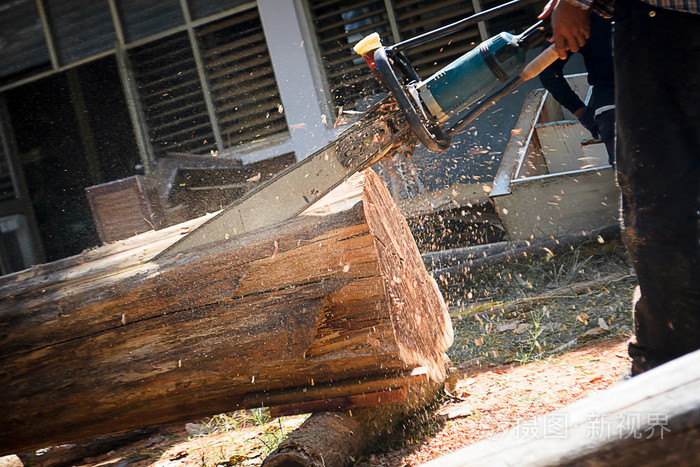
[(456, 411), (594, 332)]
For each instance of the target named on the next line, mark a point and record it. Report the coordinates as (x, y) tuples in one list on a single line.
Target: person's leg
[(605, 119), (658, 165)]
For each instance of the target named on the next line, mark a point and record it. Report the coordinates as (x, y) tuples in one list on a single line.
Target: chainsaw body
[(469, 78), (470, 83)]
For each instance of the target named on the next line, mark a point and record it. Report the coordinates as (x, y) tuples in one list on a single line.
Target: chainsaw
[(430, 110)]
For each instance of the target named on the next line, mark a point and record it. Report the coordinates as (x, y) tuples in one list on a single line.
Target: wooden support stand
[(111, 340), (338, 438)]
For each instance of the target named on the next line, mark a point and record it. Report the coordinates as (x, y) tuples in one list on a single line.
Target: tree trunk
[(111, 341)]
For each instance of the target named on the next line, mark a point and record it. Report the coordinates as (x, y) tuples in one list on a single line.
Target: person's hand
[(586, 116), (571, 25)]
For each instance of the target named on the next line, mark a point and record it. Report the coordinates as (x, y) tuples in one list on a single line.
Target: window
[(239, 79), (22, 44), (171, 96), (243, 85)]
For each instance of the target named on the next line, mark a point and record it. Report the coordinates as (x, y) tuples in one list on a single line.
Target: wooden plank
[(651, 419), (561, 144), (124, 208), (517, 147), (338, 438)]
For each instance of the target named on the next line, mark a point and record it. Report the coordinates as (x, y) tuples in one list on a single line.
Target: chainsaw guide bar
[(381, 132)]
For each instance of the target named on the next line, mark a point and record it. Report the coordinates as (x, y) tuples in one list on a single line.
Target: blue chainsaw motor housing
[(472, 76)]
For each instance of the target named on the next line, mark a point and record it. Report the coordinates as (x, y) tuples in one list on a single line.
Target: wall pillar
[(303, 100)]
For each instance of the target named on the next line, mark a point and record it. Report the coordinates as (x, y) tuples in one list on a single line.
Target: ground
[(531, 337)]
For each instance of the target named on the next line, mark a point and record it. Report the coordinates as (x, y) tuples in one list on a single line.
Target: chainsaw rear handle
[(539, 63)]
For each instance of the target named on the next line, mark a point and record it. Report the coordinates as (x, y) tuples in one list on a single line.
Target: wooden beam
[(340, 403)]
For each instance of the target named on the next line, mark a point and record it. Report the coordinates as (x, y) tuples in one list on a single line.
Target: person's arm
[(571, 25), (571, 22), (552, 78)]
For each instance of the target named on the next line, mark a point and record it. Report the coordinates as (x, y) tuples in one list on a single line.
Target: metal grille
[(339, 25), (242, 82), (171, 96)]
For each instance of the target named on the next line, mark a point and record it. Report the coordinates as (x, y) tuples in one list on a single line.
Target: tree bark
[(113, 342)]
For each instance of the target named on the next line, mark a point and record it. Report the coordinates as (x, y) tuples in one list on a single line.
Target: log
[(651, 419), (340, 438), (473, 259), (108, 342)]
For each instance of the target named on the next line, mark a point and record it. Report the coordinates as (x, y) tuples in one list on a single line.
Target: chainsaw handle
[(540, 62)]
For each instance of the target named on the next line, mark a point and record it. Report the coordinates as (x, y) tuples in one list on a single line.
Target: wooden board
[(559, 204), (652, 419), (124, 208), (561, 146)]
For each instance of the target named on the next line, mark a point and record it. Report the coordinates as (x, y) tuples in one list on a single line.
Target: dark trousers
[(657, 69)]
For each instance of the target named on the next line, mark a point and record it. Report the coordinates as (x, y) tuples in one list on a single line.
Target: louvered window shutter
[(418, 17), (240, 79), (338, 26), (243, 85), (172, 97)]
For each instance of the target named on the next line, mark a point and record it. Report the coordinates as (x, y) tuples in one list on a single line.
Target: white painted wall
[(297, 75)]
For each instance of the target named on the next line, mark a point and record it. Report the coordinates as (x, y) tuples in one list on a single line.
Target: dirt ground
[(530, 337)]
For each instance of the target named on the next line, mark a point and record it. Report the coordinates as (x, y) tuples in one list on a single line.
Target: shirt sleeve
[(552, 78), (604, 8)]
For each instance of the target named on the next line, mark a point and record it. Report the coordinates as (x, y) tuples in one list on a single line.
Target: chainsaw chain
[(374, 136)]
